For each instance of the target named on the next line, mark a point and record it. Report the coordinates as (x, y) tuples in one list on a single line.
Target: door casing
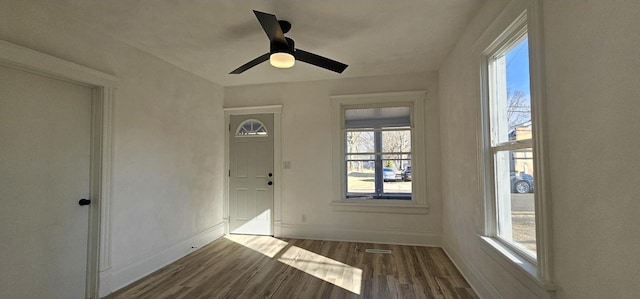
[(103, 88), (276, 110)]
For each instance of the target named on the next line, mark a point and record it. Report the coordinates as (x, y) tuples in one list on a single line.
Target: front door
[(251, 174), (45, 129)]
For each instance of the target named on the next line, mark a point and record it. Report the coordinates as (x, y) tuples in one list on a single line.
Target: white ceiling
[(212, 38)]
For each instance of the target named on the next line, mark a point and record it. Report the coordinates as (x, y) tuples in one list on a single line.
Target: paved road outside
[(522, 202), (523, 220)]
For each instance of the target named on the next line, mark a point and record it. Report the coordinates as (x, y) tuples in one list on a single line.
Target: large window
[(511, 141), (515, 187), (378, 152)]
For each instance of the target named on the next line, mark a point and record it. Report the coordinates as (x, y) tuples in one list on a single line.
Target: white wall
[(307, 144), (169, 155), (592, 71), (167, 192), (593, 86), (462, 201)]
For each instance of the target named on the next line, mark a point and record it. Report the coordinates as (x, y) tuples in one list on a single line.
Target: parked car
[(406, 174), (391, 175), (521, 183)]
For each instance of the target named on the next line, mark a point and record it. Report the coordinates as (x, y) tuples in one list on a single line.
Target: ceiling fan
[(282, 52)]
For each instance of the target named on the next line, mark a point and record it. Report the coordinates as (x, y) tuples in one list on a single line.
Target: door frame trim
[(276, 110), (103, 88)]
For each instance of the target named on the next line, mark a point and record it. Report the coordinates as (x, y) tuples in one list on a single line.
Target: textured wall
[(168, 156), (307, 144), (592, 71), (463, 216)]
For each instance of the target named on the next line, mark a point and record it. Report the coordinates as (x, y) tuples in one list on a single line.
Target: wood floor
[(239, 266)]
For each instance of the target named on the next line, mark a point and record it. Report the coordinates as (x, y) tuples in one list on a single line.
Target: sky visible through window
[(518, 68), (518, 94)]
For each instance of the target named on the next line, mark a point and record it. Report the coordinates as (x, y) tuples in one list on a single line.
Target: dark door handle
[(84, 202), (270, 183)]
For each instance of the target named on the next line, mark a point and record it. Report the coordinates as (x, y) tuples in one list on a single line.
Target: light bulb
[(282, 60)]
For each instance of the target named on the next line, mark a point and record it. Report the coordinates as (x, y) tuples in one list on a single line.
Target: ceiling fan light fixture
[(282, 60), (282, 52)]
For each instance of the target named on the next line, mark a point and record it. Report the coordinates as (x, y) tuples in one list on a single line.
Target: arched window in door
[(251, 128)]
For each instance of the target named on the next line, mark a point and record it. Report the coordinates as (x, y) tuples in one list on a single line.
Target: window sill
[(522, 269), (379, 206)]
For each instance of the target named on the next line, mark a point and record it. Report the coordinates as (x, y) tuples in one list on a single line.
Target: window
[(378, 152), (516, 230), (378, 146), (511, 140), (251, 128)]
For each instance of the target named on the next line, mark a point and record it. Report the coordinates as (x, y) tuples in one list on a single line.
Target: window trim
[(515, 34), (418, 203), (514, 17)]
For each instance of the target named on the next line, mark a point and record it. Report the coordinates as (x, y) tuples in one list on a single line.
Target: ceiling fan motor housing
[(277, 47)]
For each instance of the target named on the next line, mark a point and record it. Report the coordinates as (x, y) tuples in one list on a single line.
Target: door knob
[(270, 174), (270, 183), (84, 202)]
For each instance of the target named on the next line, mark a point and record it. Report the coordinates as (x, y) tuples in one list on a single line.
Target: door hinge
[(229, 127), (229, 172)]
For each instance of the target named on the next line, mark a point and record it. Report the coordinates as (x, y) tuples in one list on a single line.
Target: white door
[(45, 128), (251, 174)]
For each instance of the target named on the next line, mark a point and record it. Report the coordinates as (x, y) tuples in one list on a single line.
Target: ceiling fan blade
[(251, 64), (271, 26), (320, 61)]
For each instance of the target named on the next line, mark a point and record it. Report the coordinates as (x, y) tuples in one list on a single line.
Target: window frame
[(417, 204), (253, 133), (515, 34), (505, 28), (378, 153)]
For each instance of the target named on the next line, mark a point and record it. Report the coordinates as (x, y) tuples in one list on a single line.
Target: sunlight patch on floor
[(329, 270), (265, 245)]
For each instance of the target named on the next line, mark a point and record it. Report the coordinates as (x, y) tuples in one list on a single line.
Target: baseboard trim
[(478, 282), (370, 234), (277, 228), (121, 277), (105, 282)]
